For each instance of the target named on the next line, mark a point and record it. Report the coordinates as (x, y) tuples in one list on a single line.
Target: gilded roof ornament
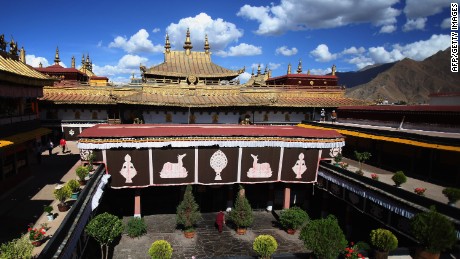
[(13, 48), (83, 60), (258, 69), (2, 43), (40, 65), (299, 67), (289, 69), (333, 69), (167, 44), (22, 55), (56, 57), (252, 73), (308, 71), (188, 43), (72, 62), (206, 44)]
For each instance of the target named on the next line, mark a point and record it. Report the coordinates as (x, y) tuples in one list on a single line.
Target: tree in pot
[(160, 249), (383, 241), (241, 215), (82, 173), (265, 246), (324, 237), (74, 187), (292, 218), (62, 194), (48, 209), (399, 178), (188, 213), (434, 232), (361, 157), (452, 194), (105, 228)]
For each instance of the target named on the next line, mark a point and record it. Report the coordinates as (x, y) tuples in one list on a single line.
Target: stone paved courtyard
[(208, 243)]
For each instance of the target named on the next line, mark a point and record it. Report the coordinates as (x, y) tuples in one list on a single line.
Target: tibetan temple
[(188, 88)]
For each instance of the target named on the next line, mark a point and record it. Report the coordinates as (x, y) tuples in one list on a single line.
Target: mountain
[(366, 74), (407, 80)]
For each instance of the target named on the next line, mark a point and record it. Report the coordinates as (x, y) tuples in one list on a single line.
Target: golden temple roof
[(14, 71)]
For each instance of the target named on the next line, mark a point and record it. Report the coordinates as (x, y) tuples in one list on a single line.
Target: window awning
[(23, 137)]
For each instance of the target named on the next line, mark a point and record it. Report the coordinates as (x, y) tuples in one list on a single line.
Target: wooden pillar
[(287, 196), (229, 198), (324, 205), (271, 195), (137, 203)]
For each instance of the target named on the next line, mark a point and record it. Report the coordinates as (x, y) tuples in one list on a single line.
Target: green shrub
[(241, 214), (104, 228), (293, 218), (433, 230), (453, 194), (362, 157), (383, 240), (188, 211), (73, 185), (136, 227), (324, 237), (160, 249), (20, 248), (399, 178), (62, 194), (265, 245), (47, 209), (82, 172)]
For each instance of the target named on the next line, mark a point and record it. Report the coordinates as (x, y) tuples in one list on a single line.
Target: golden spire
[(206, 44), (289, 69), (252, 73), (299, 67), (83, 60), (56, 57), (258, 69), (72, 62), (333, 70), (266, 69), (167, 44), (40, 65), (22, 55), (308, 71), (188, 44)]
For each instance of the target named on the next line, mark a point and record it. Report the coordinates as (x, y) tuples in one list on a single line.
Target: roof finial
[(258, 69), (206, 44), (289, 69), (83, 60), (308, 71), (188, 44), (252, 73), (266, 69), (299, 67), (40, 65), (56, 57), (22, 55), (167, 44), (72, 62), (333, 69)]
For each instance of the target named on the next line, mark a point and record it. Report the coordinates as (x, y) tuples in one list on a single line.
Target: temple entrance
[(211, 198)]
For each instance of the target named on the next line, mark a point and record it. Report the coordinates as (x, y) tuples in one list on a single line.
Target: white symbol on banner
[(174, 170), (127, 170), (299, 168), (85, 154), (333, 152), (218, 162), (71, 132), (259, 170)]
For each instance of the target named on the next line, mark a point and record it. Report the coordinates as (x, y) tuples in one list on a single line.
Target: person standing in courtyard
[(50, 147), (220, 220), (333, 116), (323, 115), (62, 143)]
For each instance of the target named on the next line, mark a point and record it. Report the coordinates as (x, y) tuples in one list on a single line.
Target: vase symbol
[(127, 170), (299, 168), (218, 162)]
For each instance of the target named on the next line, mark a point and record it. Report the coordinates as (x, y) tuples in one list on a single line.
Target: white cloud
[(354, 50), (361, 61), (128, 64), (99, 44), (242, 49), (423, 8), (244, 77), (322, 54), (139, 42), (380, 55), (445, 23), (388, 28), (313, 14), (285, 51), (220, 33), (155, 30), (415, 24), (320, 71), (35, 61), (273, 66)]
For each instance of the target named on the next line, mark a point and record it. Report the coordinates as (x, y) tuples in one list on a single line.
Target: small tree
[(105, 228), (293, 218), (20, 248), (62, 194), (362, 157), (265, 245), (160, 249), (324, 237), (383, 240), (82, 172), (188, 211), (399, 178), (136, 227), (241, 214)]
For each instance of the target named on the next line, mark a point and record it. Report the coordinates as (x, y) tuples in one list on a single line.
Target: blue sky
[(119, 35)]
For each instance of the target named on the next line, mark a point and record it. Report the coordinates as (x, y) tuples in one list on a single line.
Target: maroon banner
[(299, 165), (129, 167), (260, 164), (173, 166), (217, 165)]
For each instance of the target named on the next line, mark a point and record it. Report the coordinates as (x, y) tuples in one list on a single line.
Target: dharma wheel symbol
[(218, 162)]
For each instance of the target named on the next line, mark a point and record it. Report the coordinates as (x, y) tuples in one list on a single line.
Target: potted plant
[(324, 237), (104, 228), (399, 178), (434, 232), (337, 159), (91, 158), (383, 241), (62, 193), (292, 218), (74, 187), (48, 209), (362, 157), (452, 194), (241, 215), (265, 246), (160, 249), (82, 173), (36, 235), (375, 177), (188, 213), (420, 191)]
